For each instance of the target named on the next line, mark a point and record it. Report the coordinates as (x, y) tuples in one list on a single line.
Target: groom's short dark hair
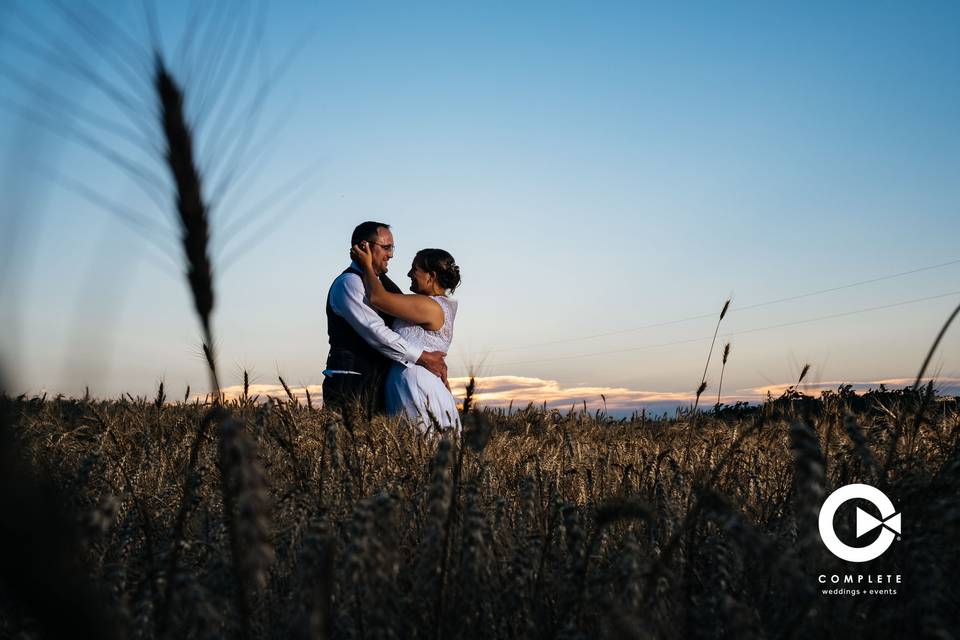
[(367, 231)]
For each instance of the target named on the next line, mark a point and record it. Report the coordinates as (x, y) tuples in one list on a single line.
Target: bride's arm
[(413, 307)]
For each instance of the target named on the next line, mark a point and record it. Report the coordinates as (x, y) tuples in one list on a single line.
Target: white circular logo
[(865, 523)]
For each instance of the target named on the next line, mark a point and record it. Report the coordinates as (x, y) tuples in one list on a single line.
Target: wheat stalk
[(193, 214), (723, 367), (703, 379), (245, 506)]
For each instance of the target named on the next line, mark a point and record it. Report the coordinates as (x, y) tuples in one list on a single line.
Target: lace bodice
[(430, 340)]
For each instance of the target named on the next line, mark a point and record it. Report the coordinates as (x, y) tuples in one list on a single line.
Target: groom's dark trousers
[(361, 389), (351, 394)]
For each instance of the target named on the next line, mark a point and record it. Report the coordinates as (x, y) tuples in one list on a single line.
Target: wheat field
[(278, 520)]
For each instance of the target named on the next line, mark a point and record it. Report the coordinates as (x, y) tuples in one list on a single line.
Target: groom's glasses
[(385, 247)]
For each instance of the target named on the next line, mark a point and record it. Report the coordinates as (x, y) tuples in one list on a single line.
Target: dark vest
[(350, 352)]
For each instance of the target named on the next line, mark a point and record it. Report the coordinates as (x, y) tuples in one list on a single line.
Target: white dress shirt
[(348, 299)]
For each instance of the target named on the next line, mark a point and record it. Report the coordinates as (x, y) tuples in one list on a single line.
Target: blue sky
[(593, 167)]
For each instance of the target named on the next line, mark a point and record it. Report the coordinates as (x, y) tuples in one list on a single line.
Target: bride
[(425, 319)]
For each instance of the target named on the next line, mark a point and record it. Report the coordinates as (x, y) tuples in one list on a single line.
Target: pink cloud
[(502, 391), (946, 385)]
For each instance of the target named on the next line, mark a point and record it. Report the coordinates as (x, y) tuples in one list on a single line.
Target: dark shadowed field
[(174, 520)]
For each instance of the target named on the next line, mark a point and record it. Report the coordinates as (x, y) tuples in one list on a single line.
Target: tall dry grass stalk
[(922, 405), (810, 480), (190, 485), (468, 396), (292, 398), (192, 210), (246, 515), (703, 379), (723, 367)]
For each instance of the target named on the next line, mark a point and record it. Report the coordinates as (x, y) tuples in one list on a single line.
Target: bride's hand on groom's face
[(361, 254)]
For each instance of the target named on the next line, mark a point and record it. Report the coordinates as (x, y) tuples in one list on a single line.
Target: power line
[(733, 309), (736, 333)]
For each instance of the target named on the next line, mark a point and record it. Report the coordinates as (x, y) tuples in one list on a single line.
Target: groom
[(362, 343)]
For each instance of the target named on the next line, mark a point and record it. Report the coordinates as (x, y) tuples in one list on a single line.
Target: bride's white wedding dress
[(414, 390)]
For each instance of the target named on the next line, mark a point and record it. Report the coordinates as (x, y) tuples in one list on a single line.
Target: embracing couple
[(387, 348)]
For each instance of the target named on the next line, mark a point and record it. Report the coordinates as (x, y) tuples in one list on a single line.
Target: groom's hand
[(435, 363)]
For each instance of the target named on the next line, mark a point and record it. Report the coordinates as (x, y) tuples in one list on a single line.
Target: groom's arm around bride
[(362, 343)]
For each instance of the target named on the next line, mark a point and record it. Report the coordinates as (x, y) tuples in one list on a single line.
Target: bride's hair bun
[(442, 264)]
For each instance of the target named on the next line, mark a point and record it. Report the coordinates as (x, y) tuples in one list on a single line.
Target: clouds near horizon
[(504, 391)]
